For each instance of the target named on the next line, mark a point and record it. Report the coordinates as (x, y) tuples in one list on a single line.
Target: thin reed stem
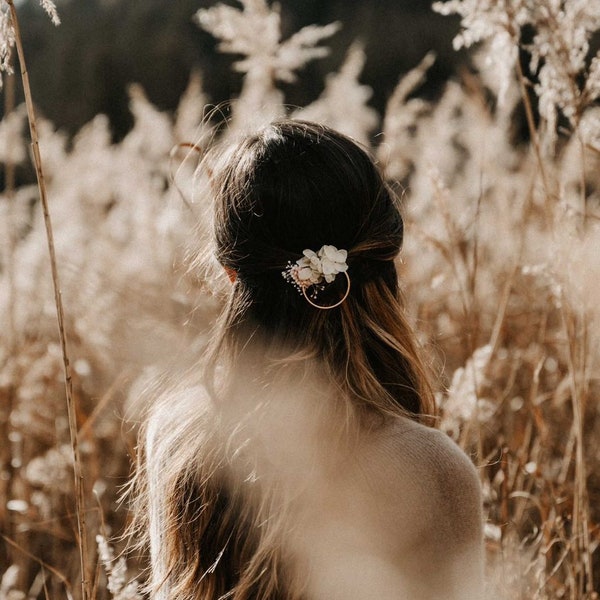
[(9, 193), (582, 176), (534, 135), (49, 568), (8, 267), (581, 517), (71, 408)]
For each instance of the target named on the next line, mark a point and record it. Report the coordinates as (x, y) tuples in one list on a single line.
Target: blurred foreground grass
[(500, 270)]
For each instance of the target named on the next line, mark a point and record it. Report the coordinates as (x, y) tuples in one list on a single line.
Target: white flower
[(307, 270), (312, 258), (333, 261), (315, 267)]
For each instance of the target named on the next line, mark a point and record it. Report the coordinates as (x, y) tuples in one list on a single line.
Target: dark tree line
[(83, 67)]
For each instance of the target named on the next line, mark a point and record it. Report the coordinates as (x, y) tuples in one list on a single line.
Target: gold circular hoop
[(331, 305)]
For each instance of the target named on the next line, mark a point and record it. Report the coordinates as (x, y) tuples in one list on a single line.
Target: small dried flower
[(116, 571), (333, 261), (50, 8), (7, 33), (315, 267)]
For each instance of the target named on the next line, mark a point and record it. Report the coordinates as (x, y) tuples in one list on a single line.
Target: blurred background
[(500, 265), (83, 67)]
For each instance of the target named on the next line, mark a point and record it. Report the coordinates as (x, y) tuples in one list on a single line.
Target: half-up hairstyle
[(292, 186), (295, 186)]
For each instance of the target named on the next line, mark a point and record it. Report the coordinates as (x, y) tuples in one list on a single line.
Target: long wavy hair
[(292, 186)]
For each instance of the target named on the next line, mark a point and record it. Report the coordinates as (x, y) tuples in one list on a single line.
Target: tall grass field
[(499, 179)]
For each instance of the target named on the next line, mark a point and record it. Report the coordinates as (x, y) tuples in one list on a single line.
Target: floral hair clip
[(315, 270)]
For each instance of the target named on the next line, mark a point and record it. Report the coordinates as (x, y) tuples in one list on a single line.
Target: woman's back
[(389, 512), (403, 520)]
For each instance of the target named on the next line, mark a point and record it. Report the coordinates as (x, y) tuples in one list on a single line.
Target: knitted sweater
[(394, 512)]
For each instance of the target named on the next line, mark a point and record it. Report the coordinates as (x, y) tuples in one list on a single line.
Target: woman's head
[(295, 186), (298, 185)]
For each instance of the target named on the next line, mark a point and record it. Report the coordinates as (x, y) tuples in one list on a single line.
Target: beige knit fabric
[(392, 512)]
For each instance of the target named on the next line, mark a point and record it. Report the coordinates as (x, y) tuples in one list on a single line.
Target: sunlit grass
[(500, 271)]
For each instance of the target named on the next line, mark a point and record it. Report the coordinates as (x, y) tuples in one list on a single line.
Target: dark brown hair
[(290, 187), (295, 186)]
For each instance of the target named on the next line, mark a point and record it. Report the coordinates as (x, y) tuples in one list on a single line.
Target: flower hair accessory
[(315, 270)]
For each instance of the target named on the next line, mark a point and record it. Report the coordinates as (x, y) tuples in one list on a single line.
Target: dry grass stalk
[(523, 85), (44, 566), (9, 191), (71, 408), (581, 516), (8, 265)]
